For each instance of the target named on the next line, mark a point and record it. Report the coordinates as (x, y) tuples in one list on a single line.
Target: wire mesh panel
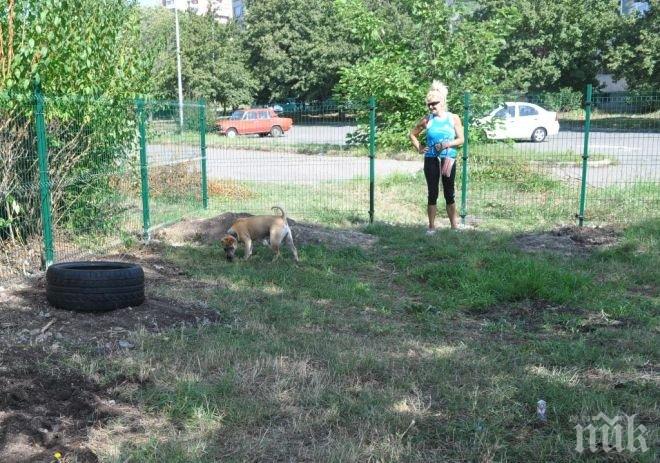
[(173, 148), (525, 158), (623, 179), (309, 159), (98, 171), (93, 173), (20, 224)]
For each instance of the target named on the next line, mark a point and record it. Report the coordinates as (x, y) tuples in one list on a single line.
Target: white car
[(520, 121)]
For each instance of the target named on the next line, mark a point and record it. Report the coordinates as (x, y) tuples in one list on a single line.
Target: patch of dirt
[(44, 410), (26, 318), (47, 407), (208, 232), (569, 241)]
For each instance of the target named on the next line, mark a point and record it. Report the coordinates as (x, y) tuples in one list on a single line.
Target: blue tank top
[(440, 129)]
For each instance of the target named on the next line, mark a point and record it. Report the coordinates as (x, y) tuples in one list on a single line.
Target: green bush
[(191, 117), (564, 100)]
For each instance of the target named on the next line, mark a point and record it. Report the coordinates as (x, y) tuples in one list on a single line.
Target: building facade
[(222, 9), (238, 9), (634, 6)]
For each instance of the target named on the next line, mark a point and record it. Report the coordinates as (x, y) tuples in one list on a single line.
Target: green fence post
[(464, 183), (585, 155), (44, 180), (202, 142), (372, 156), (144, 173)]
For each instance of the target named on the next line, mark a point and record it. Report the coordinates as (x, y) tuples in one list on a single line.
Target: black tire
[(276, 131), (94, 286), (539, 134), (231, 132)]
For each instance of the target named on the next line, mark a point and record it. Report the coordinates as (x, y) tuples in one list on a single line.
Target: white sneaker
[(431, 231)]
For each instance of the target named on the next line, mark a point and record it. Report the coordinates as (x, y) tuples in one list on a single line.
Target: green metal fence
[(314, 169), (601, 167), (20, 194), (81, 175)]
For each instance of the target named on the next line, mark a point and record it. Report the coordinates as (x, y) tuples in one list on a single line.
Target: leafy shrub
[(88, 135), (566, 99)]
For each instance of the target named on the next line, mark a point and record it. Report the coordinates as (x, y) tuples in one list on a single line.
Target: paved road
[(273, 166), (280, 165), (317, 134), (637, 155)]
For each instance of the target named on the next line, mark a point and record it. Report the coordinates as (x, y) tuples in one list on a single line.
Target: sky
[(149, 2)]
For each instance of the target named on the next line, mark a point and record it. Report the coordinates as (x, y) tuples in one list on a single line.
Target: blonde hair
[(438, 92)]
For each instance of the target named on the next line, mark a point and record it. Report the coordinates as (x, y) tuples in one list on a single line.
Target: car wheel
[(539, 134), (94, 286), (276, 131), (231, 133)]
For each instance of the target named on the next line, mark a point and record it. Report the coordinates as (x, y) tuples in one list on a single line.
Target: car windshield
[(236, 115), (504, 112)]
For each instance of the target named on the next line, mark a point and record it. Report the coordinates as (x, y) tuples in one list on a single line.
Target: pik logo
[(611, 434)]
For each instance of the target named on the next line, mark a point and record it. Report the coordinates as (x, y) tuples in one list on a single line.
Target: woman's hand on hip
[(440, 147)]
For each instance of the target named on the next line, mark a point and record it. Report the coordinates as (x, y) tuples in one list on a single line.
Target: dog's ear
[(228, 241)]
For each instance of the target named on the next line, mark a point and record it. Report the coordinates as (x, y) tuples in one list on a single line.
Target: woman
[(444, 132)]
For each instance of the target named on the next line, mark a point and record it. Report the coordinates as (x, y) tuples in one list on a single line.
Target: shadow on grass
[(425, 349)]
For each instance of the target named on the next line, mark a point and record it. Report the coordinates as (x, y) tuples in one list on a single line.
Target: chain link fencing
[(81, 175), (558, 158)]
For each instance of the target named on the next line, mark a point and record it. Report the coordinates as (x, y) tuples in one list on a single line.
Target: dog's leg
[(248, 248), (289, 242), (276, 237), (276, 250)]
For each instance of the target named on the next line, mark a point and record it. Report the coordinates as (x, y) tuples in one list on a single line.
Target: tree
[(635, 50), (297, 47), (85, 47), (408, 43), (84, 55), (554, 43), (159, 50), (213, 65)]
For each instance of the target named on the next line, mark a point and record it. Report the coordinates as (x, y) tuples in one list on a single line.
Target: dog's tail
[(281, 210)]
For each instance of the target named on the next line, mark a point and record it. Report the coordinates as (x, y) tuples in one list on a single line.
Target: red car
[(262, 121)]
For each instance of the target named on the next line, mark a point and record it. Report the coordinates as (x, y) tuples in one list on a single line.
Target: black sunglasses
[(433, 104)]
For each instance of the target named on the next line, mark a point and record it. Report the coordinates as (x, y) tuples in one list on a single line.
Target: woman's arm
[(414, 133)]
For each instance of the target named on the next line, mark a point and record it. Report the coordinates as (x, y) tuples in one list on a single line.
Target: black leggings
[(433, 175)]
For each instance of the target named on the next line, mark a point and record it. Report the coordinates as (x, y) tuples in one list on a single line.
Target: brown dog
[(259, 227)]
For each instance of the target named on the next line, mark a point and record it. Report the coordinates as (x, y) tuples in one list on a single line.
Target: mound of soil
[(46, 406), (569, 240), (208, 232)]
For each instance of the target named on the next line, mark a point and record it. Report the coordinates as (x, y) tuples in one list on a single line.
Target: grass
[(507, 188), (254, 142), (611, 120), (419, 349)]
